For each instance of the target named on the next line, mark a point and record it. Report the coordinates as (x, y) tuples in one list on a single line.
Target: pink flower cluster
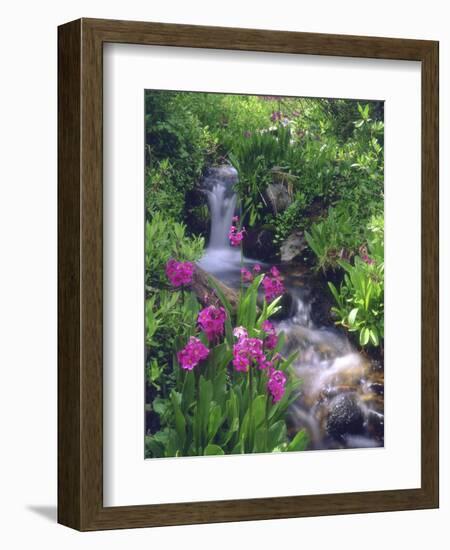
[(247, 276), (273, 284), (179, 273), (248, 352), (235, 235), (271, 339), (211, 320), (276, 385), (192, 353)]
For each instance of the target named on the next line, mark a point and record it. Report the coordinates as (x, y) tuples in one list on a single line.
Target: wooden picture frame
[(80, 272)]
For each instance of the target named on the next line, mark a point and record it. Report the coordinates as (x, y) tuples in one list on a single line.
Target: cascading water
[(220, 258), (340, 401)]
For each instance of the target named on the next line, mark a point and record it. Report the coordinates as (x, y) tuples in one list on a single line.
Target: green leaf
[(374, 336), (364, 336), (276, 435), (300, 442), (213, 450), (180, 422), (188, 393), (214, 422), (352, 316)]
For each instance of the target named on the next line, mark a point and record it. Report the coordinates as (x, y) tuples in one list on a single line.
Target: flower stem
[(250, 407)]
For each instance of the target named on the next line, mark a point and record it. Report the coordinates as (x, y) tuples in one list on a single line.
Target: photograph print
[(264, 274)]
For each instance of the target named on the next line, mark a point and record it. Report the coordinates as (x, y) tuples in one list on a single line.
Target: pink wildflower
[(236, 236), (211, 320), (191, 355), (256, 269), (276, 385), (273, 287), (265, 364), (179, 273), (235, 219), (247, 277), (240, 332), (271, 340), (248, 352), (274, 272)]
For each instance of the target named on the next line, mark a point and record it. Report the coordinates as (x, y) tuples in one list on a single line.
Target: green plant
[(178, 148), (291, 219), (253, 157), (334, 238), (217, 410), (172, 241), (360, 298), (169, 319)]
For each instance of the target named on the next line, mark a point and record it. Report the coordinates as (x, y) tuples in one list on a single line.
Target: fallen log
[(204, 290)]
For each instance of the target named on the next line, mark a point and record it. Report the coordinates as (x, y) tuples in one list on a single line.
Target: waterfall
[(220, 258), (218, 186)]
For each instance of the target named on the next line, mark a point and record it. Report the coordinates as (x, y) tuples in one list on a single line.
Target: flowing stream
[(341, 399)]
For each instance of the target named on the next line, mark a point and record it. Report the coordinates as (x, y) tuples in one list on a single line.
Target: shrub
[(334, 238), (178, 148), (253, 157), (169, 320), (360, 298), (165, 239)]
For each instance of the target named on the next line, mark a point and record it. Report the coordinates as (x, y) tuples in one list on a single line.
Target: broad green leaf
[(352, 316), (300, 442), (364, 336), (180, 423), (213, 450), (374, 336), (214, 422), (277, 434)]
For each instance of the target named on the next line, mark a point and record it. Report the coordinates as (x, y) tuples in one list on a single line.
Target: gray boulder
[(278, 197), (293, 246), (345, 416)]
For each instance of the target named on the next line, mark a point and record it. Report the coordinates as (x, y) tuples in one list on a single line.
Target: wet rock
[(375, 424), (360, 442), (283, 178), (376, 387), (345, 416), (278, 197), (293, 246), (258, 244)]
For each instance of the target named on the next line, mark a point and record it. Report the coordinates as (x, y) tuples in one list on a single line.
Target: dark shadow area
[(47, 512)]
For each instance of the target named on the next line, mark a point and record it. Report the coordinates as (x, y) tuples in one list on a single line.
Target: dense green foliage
[(323, 151), (168, 314), (360, 298), (178, 148), (166, 238), (215, 410)]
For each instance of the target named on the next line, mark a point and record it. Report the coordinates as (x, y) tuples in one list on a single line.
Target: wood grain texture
[(69, 244), (80, 264)]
